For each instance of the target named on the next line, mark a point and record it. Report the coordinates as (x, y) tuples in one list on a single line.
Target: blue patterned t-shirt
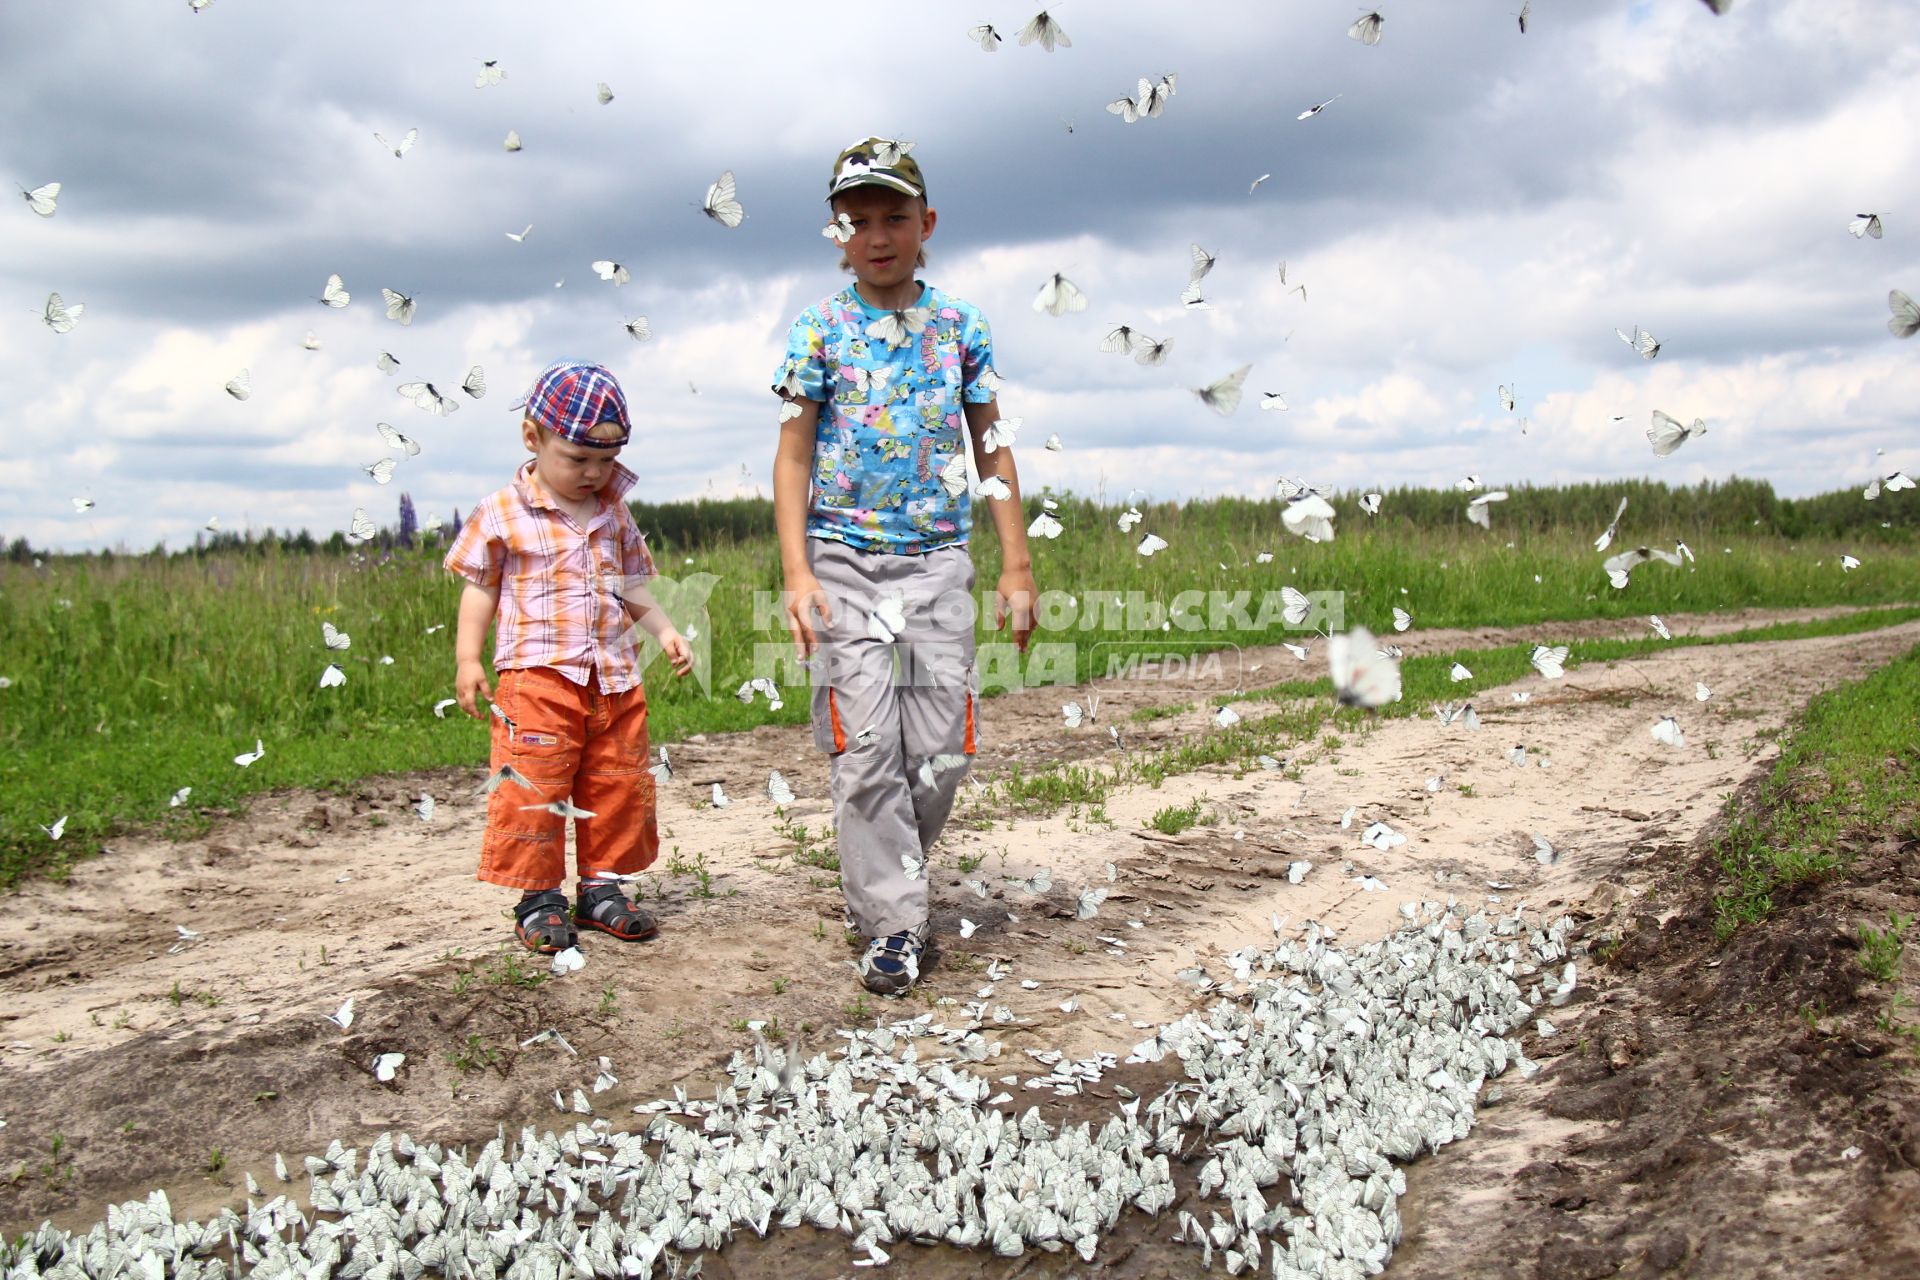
[(891, 384)]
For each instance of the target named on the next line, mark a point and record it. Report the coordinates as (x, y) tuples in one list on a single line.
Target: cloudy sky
[(1477, 207)]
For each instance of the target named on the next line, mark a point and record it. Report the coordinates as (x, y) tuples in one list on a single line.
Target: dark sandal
[(541, 923), (629, 922)]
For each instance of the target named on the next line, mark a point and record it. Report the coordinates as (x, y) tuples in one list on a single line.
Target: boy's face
[(570, 471), (888, 230)]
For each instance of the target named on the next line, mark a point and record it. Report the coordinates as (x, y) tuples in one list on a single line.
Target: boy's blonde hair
[(599, 431)]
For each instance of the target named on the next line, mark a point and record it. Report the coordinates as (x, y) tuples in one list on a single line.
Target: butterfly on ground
[(1863, 224), (607, 269), (396, 440), (1223, 396), (1659, 628), (1058, 296), (343, 1016), (1543, 851), (403, 146), (491, 72), (240, 385), (1666, 434), (1904, 323), (475, 383), (1316, 109), (1074, 715), (898, 328), (778, 790), (1042, 28), (1640, 340), (399, 306), (1367, 29), (722, 203), (42, 199), (985, 36), (1666, 730), (1605, 539), (428, 397), (1087, 905), (60, 317), (1362, 676)]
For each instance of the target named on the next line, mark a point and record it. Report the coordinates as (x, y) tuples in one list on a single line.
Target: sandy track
[(146, 1052)]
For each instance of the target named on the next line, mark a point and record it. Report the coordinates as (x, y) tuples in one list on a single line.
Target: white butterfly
[(1642, 341), (1122, 339), (1044, 525), (1152, 353), (240, 385), (572, 960), (333, 677), (1074, 715), (1904, 323), (1153, 97), (179, 797), (1370, 503), (1058, 296), (1659, 627), (778, 790), (1401, 619), (246, 759), (986, 37), (491, 72), (992, 487), (1362, 675), (1316, 110), (1201, 264), (1506, 397), (520, 237), (639, 330), (441, 707), (888, 618), (1295, 606), (866, 379), (1127, 108), (1459, 673), (1666, 434), (722, 203), (58, 829), (1620, 566), (41, 199), (602, 93), (1150, 543), (720, 800), (898, 328), (405, 144), (342, 1017), (953, 475), (1477, 508), (1605, 539), (1193, 299), (1466, 715), (1666, 730), (663, 771), (387, 362), (475, 384), (1225, 717), (312, 341), (505, 773), (1273, 400), (789, 410), (1223, 397), (426, 396), (395, 440), (1848, 564), (1000, 434), (335, 294), (1381, 836), (1087, 906), (607, 269), (563, 809), (912, 866), (1863, 224), (60, 317), (399, 306), (1043, 28), (1310, 516), (334, 638), (1367, 29), (386, 1065), (381, 471), (1550, 661), (1526, 10), (933, 766), (1129, 518), (840, 230), (512, 140), (1700, 691), (360, 527), (1543, 851)]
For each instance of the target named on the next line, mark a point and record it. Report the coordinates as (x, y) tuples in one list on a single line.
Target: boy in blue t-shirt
[(872, 502)]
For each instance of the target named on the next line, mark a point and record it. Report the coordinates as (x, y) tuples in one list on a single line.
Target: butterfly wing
[(476, 383), (1153, 353), (240, 386), (722, 203), (953, 476), (335, 295), (1223, 397), (1665, 434), (1904, 323)]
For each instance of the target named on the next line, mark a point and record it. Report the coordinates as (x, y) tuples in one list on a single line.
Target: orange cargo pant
[(568, 740)]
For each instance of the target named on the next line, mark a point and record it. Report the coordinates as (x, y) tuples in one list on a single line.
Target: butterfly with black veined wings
[(1526, 11), (335, 293), (1310, 516), (1121, 340), (1201, 264), (1193, 299), (898, 328), (334, 638), (607, 269), (1367, 29), (985, 36), (1043, 28), (42, 199), (399, 306), (387, 362), (381, 471), (1863, 224), (1904, 323), (722, 203), (1666, 434), (1150, 543), (426, 396), (1362, 675), (999, 434), (1127, 108), (777, 789), (1058, 296), (396, 440), (1640, 340), (1151, 352), (840, 230), (333, 677), (405, 144), (639, 330), (1251, 188), (1223, 396), (475, 383), (60, 317), (360, 528)]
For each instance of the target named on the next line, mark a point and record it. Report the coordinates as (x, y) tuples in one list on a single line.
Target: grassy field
[(134, 676)]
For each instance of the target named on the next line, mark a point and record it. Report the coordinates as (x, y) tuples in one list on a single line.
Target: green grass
[(1881, 949), (132, 677), (1173, 819), (1850, 763)]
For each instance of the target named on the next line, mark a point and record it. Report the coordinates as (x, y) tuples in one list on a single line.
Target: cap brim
[(876, 179)]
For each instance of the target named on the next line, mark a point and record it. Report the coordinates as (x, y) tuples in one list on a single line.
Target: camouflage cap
[(877, 162)]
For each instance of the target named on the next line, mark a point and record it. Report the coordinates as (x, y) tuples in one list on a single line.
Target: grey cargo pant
[(883, 710)]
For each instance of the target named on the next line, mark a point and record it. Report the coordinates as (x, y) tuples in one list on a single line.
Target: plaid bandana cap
[(877, 162), (572, 397)]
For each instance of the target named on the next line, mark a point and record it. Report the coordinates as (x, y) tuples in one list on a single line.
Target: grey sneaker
[(891, 964)]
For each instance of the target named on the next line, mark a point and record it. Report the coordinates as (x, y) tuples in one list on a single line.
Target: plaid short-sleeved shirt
[(560, 585)]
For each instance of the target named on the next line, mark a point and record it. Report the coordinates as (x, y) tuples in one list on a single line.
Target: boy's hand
[(806, 597), (678, 651), (470, 687), (1014, 597)]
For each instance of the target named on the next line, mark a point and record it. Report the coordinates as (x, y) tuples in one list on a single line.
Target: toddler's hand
[(470, 687), (805, 599), (678, 652)]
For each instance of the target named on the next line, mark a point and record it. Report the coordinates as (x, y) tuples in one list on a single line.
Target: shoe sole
[(591, 923)]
